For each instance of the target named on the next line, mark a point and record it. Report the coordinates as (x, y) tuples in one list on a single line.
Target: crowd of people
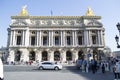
[(103, 66), (94, 65)]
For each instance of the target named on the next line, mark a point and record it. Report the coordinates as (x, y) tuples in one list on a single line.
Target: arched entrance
[(80, 55), (32, 56), (44, 56), (56, 56), (68, 56), (17, 56)]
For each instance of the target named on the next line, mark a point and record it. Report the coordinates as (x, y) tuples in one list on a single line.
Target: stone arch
[(44, 56), (68, 55), (80, 55), (56, 56), (17, 55), (32, 55)]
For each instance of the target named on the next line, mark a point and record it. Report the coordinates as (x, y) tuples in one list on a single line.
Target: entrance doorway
[(68, 56), (80, 55), (17, 56), (44, 56), (32, 56), (56, 56)]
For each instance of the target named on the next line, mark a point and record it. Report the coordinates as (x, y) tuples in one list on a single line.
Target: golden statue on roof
[(89, 12), (23, 12)]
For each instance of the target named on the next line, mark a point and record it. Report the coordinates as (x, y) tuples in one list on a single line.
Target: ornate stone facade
[(55, 38)]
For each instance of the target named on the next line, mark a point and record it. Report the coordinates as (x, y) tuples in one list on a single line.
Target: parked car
[(50, 65)]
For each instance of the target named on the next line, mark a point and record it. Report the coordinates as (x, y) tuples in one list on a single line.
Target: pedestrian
[(93, 66), (106, 66), (87, 66), (103, 67), (1, 70), (116, 70)]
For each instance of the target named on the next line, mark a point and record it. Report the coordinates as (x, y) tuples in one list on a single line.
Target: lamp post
[(116, 37)]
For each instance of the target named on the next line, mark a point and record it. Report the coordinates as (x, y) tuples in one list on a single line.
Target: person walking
[(116, 70), (103, 67), (1, 70), (93, 66)]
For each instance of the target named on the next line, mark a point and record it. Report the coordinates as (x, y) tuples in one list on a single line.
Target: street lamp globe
[(118, 26), (117, 38)]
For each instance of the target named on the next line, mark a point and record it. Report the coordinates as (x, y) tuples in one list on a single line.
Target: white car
[(50, 65)]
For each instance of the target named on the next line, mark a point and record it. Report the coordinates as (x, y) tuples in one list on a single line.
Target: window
[(68, 40), (44, 40), (33, 40), (80, 40), (56, 40), (94, 39), (18, 40)]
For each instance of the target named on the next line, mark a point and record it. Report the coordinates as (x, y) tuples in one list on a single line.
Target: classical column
[(23, 37), (27, 38), (86, 37), (98, 37), (64, 38), (73, 38), (40, 39), (76, 39), (49, 38), (102, 37), (61, 38), (14, 42), (11, 38), (52, 39), (89, 38)]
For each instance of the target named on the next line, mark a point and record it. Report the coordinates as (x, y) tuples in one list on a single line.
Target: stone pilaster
[(38, 55), (26, 55), (63, 55), (11, 56)]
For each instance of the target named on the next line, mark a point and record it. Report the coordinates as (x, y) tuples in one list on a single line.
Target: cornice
[(21, 17), (89, 17), (54, 17)]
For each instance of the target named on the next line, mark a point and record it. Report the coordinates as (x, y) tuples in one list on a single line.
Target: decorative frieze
[(55, 22)]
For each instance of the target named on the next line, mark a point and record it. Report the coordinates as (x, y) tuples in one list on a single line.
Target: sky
[(109, 10)]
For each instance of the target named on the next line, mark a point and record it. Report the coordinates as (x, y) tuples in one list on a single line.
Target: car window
[(47, 63)]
